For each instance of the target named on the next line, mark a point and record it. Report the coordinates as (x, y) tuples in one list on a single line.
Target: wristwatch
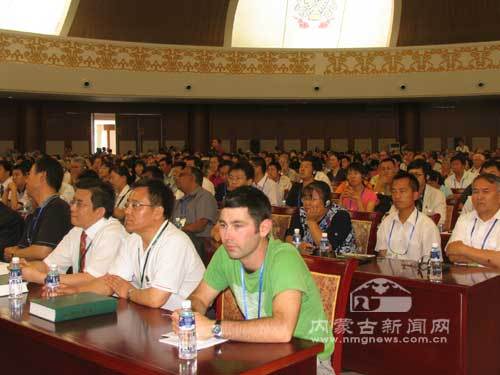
[(217, 329), (128, 293)]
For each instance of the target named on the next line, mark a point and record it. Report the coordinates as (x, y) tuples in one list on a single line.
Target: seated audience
[(15, 195), (491, 166), (120, 179), (284, 161), (274, 173), (158, 265), (290, 298), (223, 172), (193, 161), (356, 195), (460, 178), (431, 200), (318, 215), (197, 209), (50, 222), (11, 228), (92, 245), (262, 181), (476, 236), (478, 160), (406, 233), (5, 178), (336, 174), (76, 167), (306, 175)]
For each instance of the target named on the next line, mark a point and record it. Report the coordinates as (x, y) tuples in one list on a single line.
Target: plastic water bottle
[(52, 280), (325, 248), (187, 332), (435, 265), (15, 279), (296, 239)]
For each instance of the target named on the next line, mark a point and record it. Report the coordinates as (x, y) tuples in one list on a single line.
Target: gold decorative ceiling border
[(82, 53)]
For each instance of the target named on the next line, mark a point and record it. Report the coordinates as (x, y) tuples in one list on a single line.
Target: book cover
[(62, 308)]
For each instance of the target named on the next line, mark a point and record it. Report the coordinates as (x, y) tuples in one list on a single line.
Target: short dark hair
[(388, 160), (6, 165), (225, 163), (259, 207), (124, 172), (401, 175), (156, 172), (460, 157), (321, 188), (316, 163), (53, 170), (159, 194), (198, 176), (103, 194), (276, 165), (197, 161), (259, 162), (420, 164), (23, 166), (88, 173), (491, 163), (246, 168), (166, 159), (357, 167), (491, 178), (436, 176)]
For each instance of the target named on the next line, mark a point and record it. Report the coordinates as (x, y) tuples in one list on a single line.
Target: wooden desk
[(468, 297), (127, 342)]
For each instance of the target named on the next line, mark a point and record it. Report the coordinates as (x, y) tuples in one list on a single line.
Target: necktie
[(83, 248)]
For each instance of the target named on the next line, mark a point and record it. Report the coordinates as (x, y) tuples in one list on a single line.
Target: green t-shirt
[(284, 269)]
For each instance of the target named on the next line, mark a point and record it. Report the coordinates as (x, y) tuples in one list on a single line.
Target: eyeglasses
[(77, 203), (135, 205)]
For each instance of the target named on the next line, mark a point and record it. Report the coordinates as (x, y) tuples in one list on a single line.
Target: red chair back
[(344, 269)]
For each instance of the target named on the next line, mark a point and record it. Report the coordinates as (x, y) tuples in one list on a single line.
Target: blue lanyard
[(487, 234), (409, 240), (37, 217), (149, 250), (243, 287)]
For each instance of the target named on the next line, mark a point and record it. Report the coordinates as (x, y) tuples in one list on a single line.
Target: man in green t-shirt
[(272, 285)]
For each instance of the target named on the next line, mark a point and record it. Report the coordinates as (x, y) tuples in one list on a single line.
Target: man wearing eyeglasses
[(158, 266), (92, 245), (50, 222), (406, 233)]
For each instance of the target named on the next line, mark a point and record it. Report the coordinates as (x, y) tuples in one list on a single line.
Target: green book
[(81, 305), (4, 286)]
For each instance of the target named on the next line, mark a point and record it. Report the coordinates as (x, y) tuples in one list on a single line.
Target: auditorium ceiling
[(203, 22)]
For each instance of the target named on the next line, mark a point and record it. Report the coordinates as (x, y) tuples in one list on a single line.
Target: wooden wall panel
[(192, 22), (9, 118), (426, 22)]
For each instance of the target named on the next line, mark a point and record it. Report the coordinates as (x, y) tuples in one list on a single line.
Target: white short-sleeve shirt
[(170, 264), (121, 199), (453, 183), (104, 240), (271, 189), (409, 240), (472, 231)]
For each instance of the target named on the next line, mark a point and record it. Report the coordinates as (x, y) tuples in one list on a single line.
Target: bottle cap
[(53, 266), (296, 231), (324, 235), (15, 260), (186, 304), (435, 244)]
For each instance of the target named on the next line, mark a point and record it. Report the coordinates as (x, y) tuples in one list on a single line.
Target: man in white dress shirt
[(431, 200), (264, 183), (158, 266), (92, 245), (460, 178), (120, 178), (476, 236), (406, 233)]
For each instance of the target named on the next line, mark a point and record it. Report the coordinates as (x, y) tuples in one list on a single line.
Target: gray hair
[(491, 178)]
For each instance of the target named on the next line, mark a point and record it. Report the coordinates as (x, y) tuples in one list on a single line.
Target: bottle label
[(186, 322)]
